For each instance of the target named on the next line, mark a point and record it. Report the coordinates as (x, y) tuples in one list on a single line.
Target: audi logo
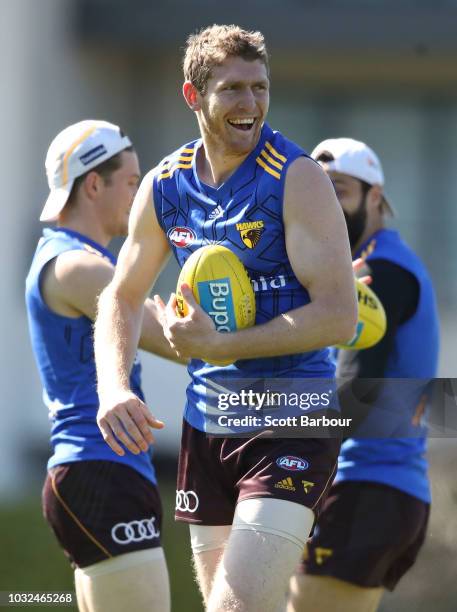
[(135, 531), (186, 501)]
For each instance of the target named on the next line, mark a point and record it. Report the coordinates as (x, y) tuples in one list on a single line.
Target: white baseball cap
[(353, 158), (74, 151)]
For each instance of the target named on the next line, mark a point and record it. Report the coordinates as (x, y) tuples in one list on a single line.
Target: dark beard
[(356, 222)]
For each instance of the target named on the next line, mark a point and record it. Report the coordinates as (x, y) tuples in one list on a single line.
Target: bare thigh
[(311, 593)]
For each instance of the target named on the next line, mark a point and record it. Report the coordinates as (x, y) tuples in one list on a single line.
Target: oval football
[(371, 324), (221, 286)]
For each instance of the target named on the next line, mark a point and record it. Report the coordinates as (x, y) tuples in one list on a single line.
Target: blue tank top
[(244, 214), (401, 462), (63, 348)]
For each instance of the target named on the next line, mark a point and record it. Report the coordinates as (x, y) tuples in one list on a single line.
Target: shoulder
[(73, 280), (289, 149), (306, 181), (81, 260), (387, 244), (76, 268), (308, 170), (277, 153), (310, 201), (287, 161)]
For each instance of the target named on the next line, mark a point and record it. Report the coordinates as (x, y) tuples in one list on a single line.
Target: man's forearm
[(152, 338), (307, 328), (117, 330)]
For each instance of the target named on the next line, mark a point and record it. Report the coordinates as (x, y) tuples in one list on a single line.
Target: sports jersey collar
[(225, 187), (366, 244), (48, 232)]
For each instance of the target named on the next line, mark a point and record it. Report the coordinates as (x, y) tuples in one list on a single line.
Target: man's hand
[(127, 419), (360, 267), (191, 336)]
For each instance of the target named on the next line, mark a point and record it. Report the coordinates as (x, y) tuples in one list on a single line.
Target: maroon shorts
[(101, 509), (368, 534), (214, 473)]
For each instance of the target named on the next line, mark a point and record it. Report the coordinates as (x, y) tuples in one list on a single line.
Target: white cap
[(74, 151), (353, 158)]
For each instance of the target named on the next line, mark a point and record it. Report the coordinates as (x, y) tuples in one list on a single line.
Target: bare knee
[(207, 544), (253, 573), (262, 552)]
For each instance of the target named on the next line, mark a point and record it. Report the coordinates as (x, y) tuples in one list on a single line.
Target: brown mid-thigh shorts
[(101, 509), (215, 473), (368, 534)]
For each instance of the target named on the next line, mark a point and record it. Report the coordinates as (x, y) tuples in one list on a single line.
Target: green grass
[(31, 559)]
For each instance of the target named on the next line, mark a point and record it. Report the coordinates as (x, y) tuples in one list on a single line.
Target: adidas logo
[(216, 213), (285, 483)]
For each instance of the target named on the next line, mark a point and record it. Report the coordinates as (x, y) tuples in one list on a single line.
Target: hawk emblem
[(250, 232)]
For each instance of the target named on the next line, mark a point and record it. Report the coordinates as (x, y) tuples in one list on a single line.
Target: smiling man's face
[(235, 104)]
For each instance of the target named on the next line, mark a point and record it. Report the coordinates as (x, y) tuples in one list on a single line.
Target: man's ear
[(374, 198), (92, 184), (191, 96)]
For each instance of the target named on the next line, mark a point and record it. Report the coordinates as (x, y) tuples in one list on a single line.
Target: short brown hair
[(212, 45), (105, 170)]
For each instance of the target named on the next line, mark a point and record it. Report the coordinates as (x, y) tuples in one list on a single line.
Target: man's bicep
[(316, 235), (75, 282), (145, 250)]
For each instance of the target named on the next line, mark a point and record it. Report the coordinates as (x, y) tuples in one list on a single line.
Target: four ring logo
[(186, 501), (135, 531)]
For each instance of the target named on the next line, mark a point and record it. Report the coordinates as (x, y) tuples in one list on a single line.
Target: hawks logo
[(250, 232), (181, 236)]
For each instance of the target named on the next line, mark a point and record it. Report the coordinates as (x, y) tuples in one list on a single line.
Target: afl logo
[(181, 236), (292, 464)]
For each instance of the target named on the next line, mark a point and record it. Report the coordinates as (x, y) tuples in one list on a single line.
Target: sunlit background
[(380, 71)]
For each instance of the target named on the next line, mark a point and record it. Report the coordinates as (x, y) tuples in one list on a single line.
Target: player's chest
[(247, 226)]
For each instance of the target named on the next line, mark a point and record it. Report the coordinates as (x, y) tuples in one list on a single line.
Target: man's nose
[(247, 100)]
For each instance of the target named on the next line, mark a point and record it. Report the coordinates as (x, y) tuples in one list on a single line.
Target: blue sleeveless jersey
[(244, 214), (64, 352), (400, 463)]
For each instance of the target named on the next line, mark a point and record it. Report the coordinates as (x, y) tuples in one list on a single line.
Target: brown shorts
[(368, 534), (215, 473), (101, 509)]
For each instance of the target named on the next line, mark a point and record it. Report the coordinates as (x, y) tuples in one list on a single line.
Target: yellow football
[(371, 324), (221, 286)]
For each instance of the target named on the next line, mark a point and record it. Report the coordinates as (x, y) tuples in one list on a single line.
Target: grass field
[(31, 560)]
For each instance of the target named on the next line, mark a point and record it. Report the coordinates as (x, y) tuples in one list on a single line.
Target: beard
[(356, 223)]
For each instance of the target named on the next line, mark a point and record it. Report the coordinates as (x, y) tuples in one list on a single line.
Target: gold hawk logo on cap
[(250, 232)]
